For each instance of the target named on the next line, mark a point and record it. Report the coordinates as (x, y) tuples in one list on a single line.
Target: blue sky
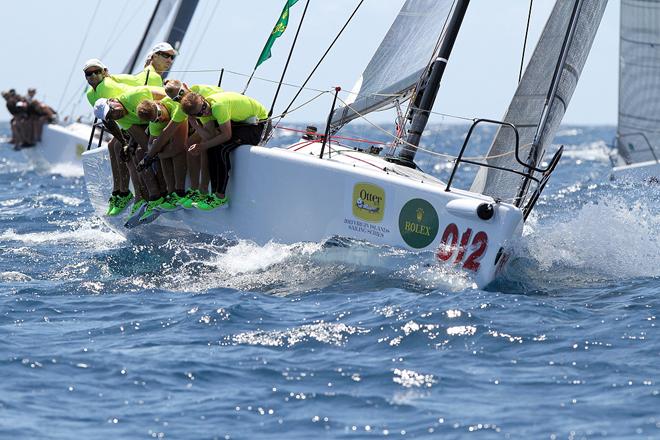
[(44, 46)]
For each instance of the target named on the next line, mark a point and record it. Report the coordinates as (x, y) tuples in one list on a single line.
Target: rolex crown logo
[(420, 214)]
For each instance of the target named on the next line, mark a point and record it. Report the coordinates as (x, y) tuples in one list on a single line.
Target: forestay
[(542, 97), (169, 22), (400, 59), (639, 81)]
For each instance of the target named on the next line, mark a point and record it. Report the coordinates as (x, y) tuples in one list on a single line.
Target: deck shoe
[(187, 200), (121, 202), (170, 203), (210, 202), (150, 208), (137, 204), (111, 204)]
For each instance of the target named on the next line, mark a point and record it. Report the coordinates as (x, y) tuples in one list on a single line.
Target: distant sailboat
[(638, 132), (317, 188), (64, 144)]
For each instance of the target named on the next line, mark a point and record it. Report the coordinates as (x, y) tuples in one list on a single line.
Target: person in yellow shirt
[(168, 136), (198, 168), (240, 120), (123, 110)]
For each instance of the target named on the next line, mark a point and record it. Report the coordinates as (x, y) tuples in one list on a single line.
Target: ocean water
[(104, 338)]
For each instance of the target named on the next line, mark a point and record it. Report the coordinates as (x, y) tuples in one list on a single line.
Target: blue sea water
[(104, 338)]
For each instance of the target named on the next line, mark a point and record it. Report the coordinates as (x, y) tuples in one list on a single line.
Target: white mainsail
[(400, 60), (638, 132), (542, 96)]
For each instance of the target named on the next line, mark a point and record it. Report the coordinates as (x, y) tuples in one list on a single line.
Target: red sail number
[(450, 240)]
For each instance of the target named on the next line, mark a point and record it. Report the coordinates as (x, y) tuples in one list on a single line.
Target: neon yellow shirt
[(130, 100), (176, 114), (139, 78), (205, 90), (108, 88), (232, 106)]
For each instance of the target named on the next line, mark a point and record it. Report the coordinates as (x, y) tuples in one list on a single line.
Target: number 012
[(449, 243)]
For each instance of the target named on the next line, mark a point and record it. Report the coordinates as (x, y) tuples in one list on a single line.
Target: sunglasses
[(166, 55), (202, 111), (159, 113), (93, 72), (179, 95)]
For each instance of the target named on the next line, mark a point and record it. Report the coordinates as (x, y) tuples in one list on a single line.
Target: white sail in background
[(638, 133), (535, 110), (400, 59)]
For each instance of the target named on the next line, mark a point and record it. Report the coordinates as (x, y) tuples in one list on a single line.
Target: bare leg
[(168, 172), (180, 168), (114, 165), (204, 173), (193, 169)]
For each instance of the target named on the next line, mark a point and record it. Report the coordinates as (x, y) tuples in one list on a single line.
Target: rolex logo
[(420, 214)]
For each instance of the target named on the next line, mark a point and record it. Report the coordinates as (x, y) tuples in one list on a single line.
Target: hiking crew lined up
[(163, 134)]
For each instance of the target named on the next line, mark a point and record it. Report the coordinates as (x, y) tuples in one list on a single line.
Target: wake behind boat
[(318, 188)]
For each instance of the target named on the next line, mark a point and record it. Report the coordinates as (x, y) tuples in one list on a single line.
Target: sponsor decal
[(377, 231), (418, 223), (450, 247), (368, 202)]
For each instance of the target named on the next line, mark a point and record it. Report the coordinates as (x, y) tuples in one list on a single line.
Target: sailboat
[(318, 188), (637, 140), (64, 144)]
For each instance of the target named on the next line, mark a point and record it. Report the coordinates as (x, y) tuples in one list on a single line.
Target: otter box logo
[(368, 202), (418, 223)]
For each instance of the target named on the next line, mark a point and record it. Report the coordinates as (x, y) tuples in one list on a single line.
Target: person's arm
[(162, 140), (224, 136), (206, 132)]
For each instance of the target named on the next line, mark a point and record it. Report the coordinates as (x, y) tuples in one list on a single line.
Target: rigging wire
[(82, 44), (323, 57), (522, 58)]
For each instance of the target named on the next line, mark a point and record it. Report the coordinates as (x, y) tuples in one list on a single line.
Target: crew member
[(241, 120)]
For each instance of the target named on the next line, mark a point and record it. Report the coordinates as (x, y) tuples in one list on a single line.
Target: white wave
[(14, 276), (610, 237), (67, 200), (88, 234), (332, 333), (67, 169), (593, 152)]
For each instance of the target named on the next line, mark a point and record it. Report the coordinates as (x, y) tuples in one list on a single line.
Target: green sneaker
[(151, 206), (121, 202), (210, 202), (191, 196), (111, 204), (137, 204), (171, 203)]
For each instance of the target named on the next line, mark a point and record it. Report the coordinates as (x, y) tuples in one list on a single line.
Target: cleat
[(136, 212), (150, 210), (121, 202), (191, 196), (171, 203)]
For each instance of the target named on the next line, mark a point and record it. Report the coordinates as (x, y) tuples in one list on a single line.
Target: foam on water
[(85, 234), (607, 239), (67, 169)]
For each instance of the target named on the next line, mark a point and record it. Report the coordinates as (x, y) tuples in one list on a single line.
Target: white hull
[(60, 145), (290, 195)]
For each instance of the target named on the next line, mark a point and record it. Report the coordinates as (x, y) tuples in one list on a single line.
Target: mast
[(182, 19), (425, 97), (131, 63)]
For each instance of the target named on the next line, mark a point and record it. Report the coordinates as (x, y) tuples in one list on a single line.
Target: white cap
[(162, 47), (101, 108), (93, 62)]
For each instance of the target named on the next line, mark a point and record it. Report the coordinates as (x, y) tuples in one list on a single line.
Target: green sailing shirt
[(176, 114), (108, 88), (205, 90), (139, 78), (130, 100), (232, 106)]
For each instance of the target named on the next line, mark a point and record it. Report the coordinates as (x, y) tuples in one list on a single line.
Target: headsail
[(400, 59), (543, 95), (639, 81), (168, 22)]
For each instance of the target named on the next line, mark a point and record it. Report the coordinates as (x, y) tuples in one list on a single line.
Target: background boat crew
[(198, 168), (17, 106), (240, 119), (123, 110), (168, 136), (104, 85), (38, 114)]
